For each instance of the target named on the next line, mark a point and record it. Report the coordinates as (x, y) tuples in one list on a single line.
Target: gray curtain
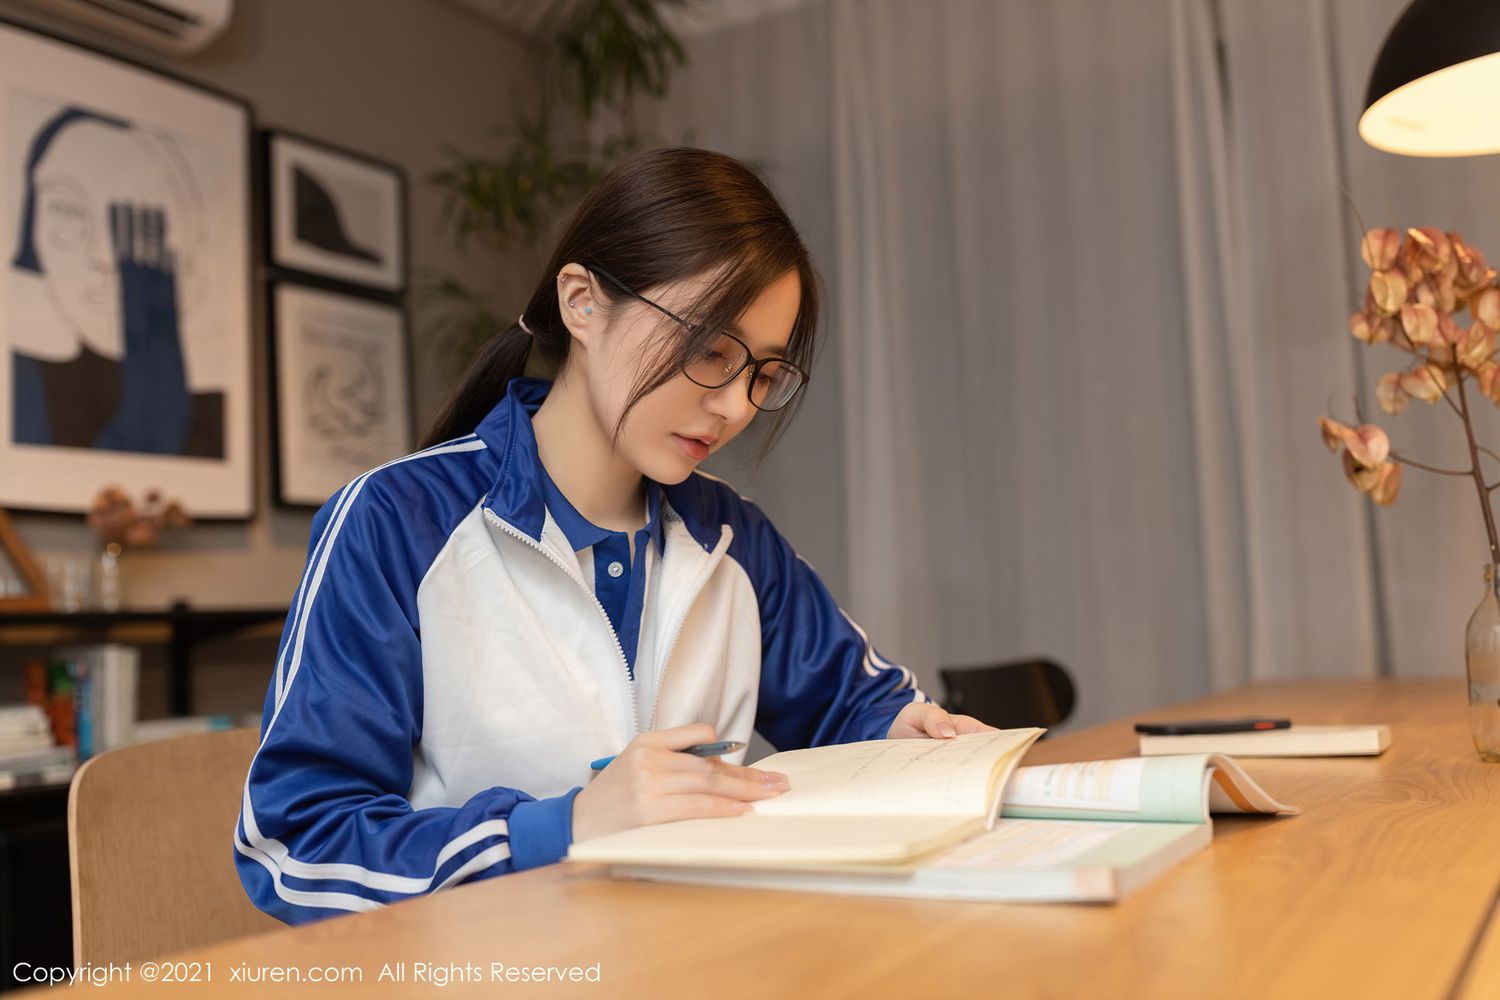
[(1090, 263)]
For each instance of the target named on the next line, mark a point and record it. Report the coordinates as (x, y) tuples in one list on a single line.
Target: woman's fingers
[(677, 737), (692, 762), (726, 780), (937, 723), (697, 806), (969, 724)]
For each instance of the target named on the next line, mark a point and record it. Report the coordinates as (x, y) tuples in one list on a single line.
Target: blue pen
[(700, 750)]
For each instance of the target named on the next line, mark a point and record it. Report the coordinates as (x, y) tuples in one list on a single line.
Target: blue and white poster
[(124, 287)]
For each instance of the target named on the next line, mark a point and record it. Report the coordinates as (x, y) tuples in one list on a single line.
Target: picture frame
[(18, 564), (333, 214), (341, 388), (139, 375)]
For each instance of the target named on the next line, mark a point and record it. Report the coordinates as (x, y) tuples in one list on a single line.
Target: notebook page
[(894, 777)]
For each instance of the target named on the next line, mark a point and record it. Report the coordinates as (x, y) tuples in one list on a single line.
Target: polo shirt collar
[(583, 533)]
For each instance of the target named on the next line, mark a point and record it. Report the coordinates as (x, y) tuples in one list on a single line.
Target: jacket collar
[(516, 495)]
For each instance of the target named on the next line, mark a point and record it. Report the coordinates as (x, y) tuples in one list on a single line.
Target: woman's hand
[(922, 720), (651, 781)]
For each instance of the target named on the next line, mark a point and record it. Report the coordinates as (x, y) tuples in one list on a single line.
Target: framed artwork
[(20, 569), (341, 389), (125, 289), (334, 214)]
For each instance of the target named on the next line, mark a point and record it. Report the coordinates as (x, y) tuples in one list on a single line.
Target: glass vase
[(108, 584), (1482, 659)]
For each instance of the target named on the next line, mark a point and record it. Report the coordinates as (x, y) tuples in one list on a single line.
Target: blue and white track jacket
[(445, 676)]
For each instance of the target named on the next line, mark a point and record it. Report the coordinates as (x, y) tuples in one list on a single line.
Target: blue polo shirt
[(619, 579)]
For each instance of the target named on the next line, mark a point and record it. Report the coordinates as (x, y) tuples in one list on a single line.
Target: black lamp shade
[(1434, 86)]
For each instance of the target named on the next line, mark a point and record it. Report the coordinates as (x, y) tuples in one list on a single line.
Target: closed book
[(27, 743), (1297, 741), (55, 774), (23, 719), (109, 680), (1019, 861), (33, 759)]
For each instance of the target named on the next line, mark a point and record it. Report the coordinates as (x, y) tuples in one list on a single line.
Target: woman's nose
[(732, 400)]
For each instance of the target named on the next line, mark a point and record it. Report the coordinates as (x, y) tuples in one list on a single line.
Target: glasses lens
[(724, 357), (776, 384), (716, 362)]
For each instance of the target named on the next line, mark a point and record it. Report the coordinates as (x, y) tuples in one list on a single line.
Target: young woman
[(551, 580)]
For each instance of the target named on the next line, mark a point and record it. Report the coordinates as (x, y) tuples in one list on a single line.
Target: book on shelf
[(48, 766), (110, 675), (1297, 741), (955, 818), (80, 702), (23, 719), (55, 774), (24, 728), (83, 697)]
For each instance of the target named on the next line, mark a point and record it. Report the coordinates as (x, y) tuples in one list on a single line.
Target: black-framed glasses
[(773, 381)]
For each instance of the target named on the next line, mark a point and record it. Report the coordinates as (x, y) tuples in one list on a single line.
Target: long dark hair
[(661, 216)]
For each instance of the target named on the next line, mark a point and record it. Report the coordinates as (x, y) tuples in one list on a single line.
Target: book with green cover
[(1178, 789)]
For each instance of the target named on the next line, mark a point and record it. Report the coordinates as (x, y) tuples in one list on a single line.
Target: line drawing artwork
[(343, 397), (343, 405), (109, 277)]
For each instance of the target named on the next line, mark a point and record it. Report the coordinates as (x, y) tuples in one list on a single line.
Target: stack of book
[(949, 819), (28, 753), (79, 702)]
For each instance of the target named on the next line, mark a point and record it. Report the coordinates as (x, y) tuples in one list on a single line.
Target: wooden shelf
[(180, 628)]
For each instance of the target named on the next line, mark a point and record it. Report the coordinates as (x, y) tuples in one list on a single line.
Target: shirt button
[(615, 569)]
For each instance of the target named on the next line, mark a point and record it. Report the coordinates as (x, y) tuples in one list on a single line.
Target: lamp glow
[(1434, 86)]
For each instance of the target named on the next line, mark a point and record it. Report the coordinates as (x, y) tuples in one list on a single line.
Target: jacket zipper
[(698, 585), (495, 519)]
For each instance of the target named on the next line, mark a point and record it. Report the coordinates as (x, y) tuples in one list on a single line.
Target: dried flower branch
[(116, 519), (1419, 284)]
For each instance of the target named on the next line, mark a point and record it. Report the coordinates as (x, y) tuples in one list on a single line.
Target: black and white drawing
[(335, 214), (125, 295), (342, 399)]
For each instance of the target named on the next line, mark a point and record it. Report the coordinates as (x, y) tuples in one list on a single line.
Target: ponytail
[(502, 358)]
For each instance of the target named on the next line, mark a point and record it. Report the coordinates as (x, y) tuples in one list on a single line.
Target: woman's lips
[(691, 447)]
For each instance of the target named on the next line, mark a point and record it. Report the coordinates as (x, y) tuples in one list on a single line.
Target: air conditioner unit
[(176, 26)]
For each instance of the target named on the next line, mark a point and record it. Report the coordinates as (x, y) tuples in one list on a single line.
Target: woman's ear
[(581, 312)]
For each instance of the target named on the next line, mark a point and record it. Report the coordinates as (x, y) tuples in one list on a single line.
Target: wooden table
[(1383, 887)]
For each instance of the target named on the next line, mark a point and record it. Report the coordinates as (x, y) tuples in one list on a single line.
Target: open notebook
[(872, 802), (949, 818)]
